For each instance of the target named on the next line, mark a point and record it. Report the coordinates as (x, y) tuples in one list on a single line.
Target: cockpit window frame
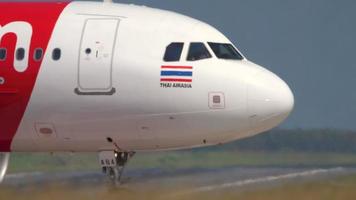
[(179, 52), (241, 56), (209, 54)]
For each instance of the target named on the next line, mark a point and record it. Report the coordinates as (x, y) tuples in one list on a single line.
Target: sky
[(308, 43)]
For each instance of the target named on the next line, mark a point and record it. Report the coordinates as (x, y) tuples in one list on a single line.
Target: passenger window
[(56, 54), (198, 51), (38, 54), (2, 54), (173, 52), (20, 54)]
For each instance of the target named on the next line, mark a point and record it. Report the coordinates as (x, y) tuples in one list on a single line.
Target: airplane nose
[(270, 101)]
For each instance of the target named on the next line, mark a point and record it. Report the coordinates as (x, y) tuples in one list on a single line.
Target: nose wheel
[(113, 164)]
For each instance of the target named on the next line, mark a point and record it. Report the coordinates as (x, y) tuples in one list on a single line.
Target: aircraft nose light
[(270, 100)]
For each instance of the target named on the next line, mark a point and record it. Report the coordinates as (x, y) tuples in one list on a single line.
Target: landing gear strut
[(113, 164)]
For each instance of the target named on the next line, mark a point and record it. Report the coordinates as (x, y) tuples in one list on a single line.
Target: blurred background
[(311, 45)]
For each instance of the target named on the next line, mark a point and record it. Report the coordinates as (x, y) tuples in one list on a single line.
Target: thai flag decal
[(177, 74)]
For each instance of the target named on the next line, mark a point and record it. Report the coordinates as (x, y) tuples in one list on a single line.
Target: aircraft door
[(96, 57)]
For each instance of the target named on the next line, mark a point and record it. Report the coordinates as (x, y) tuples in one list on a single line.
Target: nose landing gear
[(113, 164)]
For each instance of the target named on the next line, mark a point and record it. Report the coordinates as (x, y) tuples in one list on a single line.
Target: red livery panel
[(16, 88)]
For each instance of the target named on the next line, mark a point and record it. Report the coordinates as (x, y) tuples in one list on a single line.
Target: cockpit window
[(198, 51), (173, 52), (225, 51)]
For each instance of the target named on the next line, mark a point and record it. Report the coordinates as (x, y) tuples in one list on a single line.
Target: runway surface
[(165, 184)]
